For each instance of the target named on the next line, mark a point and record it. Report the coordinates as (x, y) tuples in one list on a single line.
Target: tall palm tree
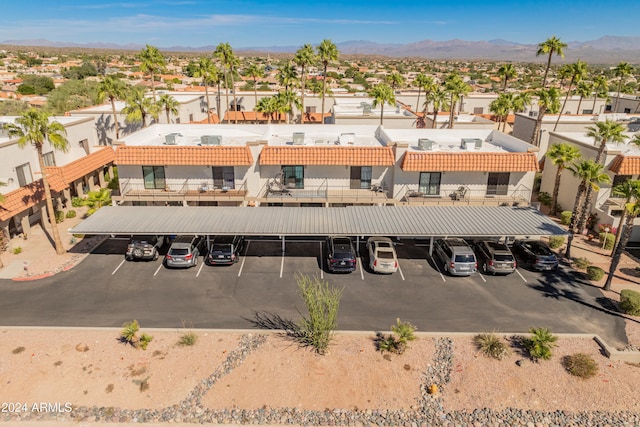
[(440, 99), (507, 72), (501, 106), (601, 90), (256, 72), (112, 88), (268, 106), (169, 104), (152, 62), (577, 72), (563, 73), (606, 132), (382, 94), (622, 70), (548, 100), (229, 61), (209, 73), (287, 100), (591, 175), (421, 81), (632, 210), (584, 89), (287, 76), (327, 52), (304, 57), (630, 191), (138, 107), (395, 79), (560, 155), (456, 88), (34, 128), (549, 47)]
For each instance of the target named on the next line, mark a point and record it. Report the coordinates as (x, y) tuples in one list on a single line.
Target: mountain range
[(605, 50)]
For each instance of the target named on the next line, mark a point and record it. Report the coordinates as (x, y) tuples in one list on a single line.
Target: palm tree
[(97, 199), (170, 105), (112, 88), (601, 89), (268, 106), (286, 101), (305, 56), (255, 72), (327, 52), (287, 76), (138, 107), (590, 174), (422, 81), (549, 47), (630, 191), (501, 106), (229, 61), (152, 62), (209, 73), (584, 89), (548, 100), (560, 155), (440, 99), (577, 72), (34, 128), (507, 72), (395, 79), (605, 132), (382, 94), (456, 88), (622, 70), (563, 73), (632, 210)]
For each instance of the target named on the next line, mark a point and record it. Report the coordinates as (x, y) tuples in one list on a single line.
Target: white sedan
[(382, 255)]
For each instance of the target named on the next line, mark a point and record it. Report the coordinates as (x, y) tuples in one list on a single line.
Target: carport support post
[(431, 246), (282, 244), (358, 245)]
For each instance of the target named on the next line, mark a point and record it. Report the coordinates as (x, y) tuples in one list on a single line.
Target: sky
[(248, 23)]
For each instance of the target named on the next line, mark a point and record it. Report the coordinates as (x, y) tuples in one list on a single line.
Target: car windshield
[(343, 255), (385, 254), (221, 248), (500, 257), (539, 249), (179, 251), (465, 258)]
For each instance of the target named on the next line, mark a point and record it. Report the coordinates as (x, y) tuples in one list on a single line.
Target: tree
[(549, 47), (622, 70), (395, 79), (584, 89), (209, 73), (601, 90), (590, 174), (501, 106), (169, 104), (456, 88), (255, 72), (577, 72), (112, 88), (305, 56), (440, 100), (12, 107), (606, 132), (422, 82), (72, 95), (507, 72), (229, 61), (632, 211), (97, 199), (152, 62), (630, 191), (287, 76), (327, 52), (268, 106), (35, 85), (138, 107), (382, 94), (287, 100), (548, 100), (34, 128), (560, 155)]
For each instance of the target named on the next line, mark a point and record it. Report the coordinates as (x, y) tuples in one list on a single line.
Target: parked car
[(144, 248), (184, 251), (456, 256), (225, 250), (341, 257), (382, 255), (495, 257), (535, 254)]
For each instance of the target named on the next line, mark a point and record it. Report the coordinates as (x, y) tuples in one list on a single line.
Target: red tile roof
[(344, 156), (625, 165), (61, 176), (214, 120), (192, 155), (19, 200), (252, 116), (314, 117), (470, 162)]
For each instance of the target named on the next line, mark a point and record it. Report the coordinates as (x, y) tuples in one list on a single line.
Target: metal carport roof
[(401, 221)]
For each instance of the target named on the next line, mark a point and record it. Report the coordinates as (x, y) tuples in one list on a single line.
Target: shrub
[(565, 217), (71, 214), (545, 198), (188, 339), (611, 239), (491, 346), (129, 334), (403, 332), (594, 273), (592, 221), (540, 343), (556, 241), (17, 250), (76, 202), (581, 263), (630, 302), (580, 365), (59, 216)]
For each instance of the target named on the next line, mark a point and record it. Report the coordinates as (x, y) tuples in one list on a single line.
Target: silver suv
[(456, 256), (144, 247), (495, 257), (184, 252)]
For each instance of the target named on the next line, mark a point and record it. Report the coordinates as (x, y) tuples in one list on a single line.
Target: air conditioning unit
[(298, 138), (425, 144), (366, 108), (470, 143), (347, 138), (533, 114), (170, 139), (210, 139)]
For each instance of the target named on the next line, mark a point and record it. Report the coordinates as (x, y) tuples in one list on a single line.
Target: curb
[(32, 278)]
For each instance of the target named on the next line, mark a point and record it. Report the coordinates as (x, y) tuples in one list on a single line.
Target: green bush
[(404, 332), (491, 346), (580, 365), (17, 250), (71, 214), (129, 334), (565, 217), (556, 241), (630, 302), (188, 339), (611, 239), (540, 343), (594, 273), (545, 198), (76, 202), (59, 216), (581, 263)]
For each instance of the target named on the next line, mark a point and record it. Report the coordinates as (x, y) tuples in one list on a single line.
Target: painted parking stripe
[(118, 267), (437, 268), (482, 277), (400, 271), (521, 276), (157, 269), (321, 262), (200, 269), (361, 272), (244, 257), (282, 265)]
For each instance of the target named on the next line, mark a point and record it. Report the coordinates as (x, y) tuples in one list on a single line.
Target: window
[(293, 176), (360, 177), (498, 183), (608, 107), (429, 184), (24, 174), (619, 179), (310, 109), (587, 111), (478, 110), (153, 177), (223, 177), (190, 117), (627, 110), (48, 158)]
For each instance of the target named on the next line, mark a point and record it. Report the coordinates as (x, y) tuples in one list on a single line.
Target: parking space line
[(157, 269), (521, 276), (119, 265), (321, 262), (244, 257), (361, 272), (482, 277), (400, 271), (437, 268), (282, 265), (200, 269)]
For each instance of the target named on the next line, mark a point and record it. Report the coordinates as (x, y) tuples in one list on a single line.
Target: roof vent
[(170, 139), (298, 138), (425, 144), (366, 108), (347, 138), (210, 139), (470, 143)]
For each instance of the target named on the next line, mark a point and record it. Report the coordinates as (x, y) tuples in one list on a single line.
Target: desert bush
[(540, 343), (17, 250), (71, 214), (630, 302), (491, 346), (581, 365), (188, 339), (594, 273), (565, 217), (129, 334), (611, 239), (403, 332), (556, 241), (76, 202), (581, 263), (59, 217), (545, 198)]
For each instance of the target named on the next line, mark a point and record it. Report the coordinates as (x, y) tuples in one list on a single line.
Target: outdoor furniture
[(460, 193)]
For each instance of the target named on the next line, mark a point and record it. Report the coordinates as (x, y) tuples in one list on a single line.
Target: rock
[(82, 347)]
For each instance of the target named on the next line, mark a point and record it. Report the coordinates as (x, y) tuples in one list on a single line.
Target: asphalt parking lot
[(106, 290)]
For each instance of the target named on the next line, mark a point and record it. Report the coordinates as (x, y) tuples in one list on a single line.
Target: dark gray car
[(184, 252), (495, 257)]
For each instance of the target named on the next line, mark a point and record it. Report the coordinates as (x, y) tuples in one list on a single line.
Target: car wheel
[(127, 257), (484, 267), (195, 261), (137, 253), (155, 256), (445, 269)]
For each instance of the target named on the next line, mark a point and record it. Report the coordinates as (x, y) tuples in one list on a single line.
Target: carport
[(359, 221)]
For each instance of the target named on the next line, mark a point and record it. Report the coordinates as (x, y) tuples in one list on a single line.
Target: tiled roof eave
[(184, 156), (327, 156), (470, 162)]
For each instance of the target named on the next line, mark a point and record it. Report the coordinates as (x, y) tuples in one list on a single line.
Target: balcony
[(463, 195), (190, 190), (273, 192)]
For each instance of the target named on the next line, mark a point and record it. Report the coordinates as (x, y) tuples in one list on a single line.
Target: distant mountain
[(605, 50)]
